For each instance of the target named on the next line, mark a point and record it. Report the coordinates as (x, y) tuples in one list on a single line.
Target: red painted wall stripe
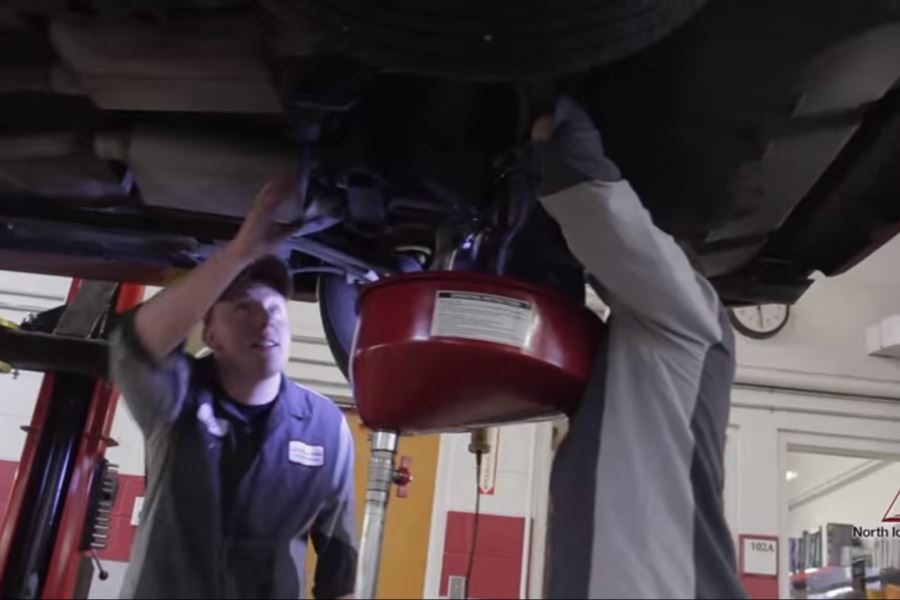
[(497, 566)]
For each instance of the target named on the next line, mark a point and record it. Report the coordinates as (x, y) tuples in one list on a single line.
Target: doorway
[(839, 501)]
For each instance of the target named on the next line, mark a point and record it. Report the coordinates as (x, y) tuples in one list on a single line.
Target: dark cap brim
[(270, 271)]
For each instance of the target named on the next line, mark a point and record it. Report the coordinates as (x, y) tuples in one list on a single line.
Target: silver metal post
[(378, 492)]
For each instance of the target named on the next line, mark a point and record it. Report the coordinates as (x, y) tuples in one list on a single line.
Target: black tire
[(338, 309), (487, 40)]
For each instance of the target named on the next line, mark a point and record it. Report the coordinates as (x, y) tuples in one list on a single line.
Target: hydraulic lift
[(59, 509)]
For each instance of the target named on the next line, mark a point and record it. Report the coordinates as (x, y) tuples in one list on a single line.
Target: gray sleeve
[(334, 531), (639, 267), (154, 391)]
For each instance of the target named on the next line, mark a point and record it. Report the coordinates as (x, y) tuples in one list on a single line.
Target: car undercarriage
[(134, 135)]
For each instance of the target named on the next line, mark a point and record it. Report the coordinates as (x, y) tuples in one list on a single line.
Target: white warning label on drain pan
[(483, 317)]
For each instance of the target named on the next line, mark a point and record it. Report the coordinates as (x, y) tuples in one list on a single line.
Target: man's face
[(250, 333)]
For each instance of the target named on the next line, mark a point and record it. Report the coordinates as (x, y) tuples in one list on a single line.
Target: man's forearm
[(164, 321)]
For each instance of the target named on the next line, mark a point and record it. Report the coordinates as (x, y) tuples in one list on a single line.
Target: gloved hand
[(570, 149)]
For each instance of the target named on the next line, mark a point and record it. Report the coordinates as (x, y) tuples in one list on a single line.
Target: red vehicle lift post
[(53, 501)]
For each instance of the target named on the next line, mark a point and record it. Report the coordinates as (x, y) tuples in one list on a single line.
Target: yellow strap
[(8, 324)]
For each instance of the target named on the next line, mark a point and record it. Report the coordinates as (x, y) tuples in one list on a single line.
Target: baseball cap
[(269, 270)]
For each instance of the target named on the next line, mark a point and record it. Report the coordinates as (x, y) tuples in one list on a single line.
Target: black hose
[(471, 564)]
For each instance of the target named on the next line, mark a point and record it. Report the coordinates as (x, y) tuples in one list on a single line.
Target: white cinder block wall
[(821, 349), (826, 334), (22, 294)]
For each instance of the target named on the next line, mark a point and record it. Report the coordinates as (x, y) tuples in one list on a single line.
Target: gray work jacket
[(636, 488), (300, 485)]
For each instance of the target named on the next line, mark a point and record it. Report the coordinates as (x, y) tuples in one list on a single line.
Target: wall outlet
[(456, 587)]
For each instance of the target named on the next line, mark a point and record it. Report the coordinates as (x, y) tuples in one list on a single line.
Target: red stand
[(23, 472), (65, 560)]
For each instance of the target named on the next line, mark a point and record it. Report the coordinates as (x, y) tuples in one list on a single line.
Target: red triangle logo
[(893, 511)]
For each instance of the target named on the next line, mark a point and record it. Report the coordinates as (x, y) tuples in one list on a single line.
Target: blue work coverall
[(198, 539)]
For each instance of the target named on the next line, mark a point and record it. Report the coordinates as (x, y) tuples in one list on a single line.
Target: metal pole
[(378, 491), (31, 546), (66, 563), (39, 490)]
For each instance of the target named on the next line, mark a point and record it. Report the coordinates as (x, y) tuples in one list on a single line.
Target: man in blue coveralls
[(243, 465)]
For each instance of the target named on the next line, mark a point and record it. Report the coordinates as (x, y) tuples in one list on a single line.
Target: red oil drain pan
[(451, 351)]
